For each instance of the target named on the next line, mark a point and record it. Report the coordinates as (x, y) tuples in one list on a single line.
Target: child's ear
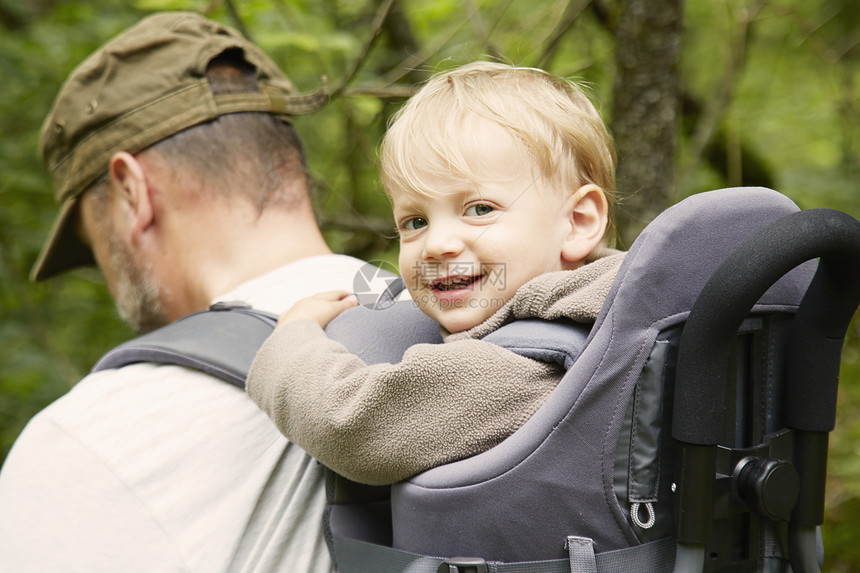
[(587, 214)]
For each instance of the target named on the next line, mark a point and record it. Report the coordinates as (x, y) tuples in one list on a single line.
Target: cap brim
[(64, 249)]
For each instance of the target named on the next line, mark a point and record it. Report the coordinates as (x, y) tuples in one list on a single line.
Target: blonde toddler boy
[(501, 180)]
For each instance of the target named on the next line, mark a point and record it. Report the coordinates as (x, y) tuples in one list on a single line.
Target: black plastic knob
[(768, 486)]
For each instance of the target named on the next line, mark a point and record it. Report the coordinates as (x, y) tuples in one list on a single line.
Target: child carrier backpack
[(682, 438), (689, 435)]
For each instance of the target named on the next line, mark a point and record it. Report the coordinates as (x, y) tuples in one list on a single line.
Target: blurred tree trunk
[(646, 109)]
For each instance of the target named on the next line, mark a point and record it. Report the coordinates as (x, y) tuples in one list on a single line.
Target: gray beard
[(138, 299)]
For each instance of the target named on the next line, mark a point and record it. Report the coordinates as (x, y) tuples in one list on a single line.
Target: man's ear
[(128, 180), (587, 214)]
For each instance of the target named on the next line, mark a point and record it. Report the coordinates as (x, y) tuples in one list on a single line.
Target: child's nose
[(442, 242)]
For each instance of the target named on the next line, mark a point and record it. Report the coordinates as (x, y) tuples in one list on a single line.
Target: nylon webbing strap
[(656, 556), (581, 551), (353, 556)]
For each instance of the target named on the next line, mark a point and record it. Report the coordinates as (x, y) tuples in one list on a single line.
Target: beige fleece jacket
[(380, 424)]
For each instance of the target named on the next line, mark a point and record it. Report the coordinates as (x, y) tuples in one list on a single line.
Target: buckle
[(229, 305), (463, 565)]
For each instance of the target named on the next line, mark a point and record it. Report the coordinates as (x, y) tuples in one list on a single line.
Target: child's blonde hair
[(552, 117)]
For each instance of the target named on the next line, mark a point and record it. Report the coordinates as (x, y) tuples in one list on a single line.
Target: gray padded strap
[(353, 556), (559, 341), (221, 341)]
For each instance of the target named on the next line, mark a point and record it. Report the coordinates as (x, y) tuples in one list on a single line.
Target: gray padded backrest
[(383, 335), (554, 477)]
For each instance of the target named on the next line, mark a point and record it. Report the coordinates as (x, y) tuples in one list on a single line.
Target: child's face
[(465, 251)]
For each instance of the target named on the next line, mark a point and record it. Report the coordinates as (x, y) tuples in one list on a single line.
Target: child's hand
[(321, 308)]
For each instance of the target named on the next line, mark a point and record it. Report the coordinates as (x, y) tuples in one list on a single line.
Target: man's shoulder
[(278, 289), (141, 404), (167, 448)]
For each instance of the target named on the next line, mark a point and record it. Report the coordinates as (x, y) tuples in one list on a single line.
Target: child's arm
[(383, 423)]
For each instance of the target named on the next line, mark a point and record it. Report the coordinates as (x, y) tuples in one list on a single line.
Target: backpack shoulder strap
[(559, 341), (221, 341)]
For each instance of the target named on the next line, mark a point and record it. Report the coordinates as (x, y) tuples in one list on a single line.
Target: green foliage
[(42, 326), (770, 95), (843, 486)]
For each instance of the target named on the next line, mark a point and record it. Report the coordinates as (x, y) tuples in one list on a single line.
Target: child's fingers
[(321, 307), (349, 301), (332, 295), (335, 307), (328, 309)]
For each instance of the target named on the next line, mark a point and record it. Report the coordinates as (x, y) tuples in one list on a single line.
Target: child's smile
[(455, 283)]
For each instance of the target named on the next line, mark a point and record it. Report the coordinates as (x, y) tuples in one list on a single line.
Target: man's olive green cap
[(144, 85)]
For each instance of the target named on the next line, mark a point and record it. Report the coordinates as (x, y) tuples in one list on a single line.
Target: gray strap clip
[(463, 565)]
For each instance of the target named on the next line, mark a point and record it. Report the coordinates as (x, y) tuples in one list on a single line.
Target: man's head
[(180, 86), (496, 175)]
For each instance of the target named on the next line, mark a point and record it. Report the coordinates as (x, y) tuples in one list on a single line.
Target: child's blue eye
[(479, 210), (415, 223)]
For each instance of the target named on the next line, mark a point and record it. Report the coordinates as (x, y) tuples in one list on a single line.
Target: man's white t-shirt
[(160, 468)]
